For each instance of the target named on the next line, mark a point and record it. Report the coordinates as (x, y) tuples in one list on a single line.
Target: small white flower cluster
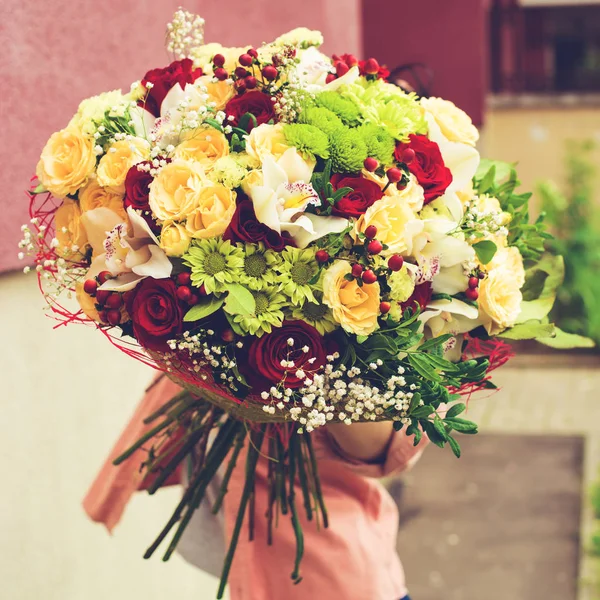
[(484, 216), (184, 32), (287, 103)]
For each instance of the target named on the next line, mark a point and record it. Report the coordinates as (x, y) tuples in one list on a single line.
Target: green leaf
[(436, 341), (485, 250), (245, 120), (422, 412), (207, 306), (502, 170), (439, 427), (214, 123), (462, 425), (455, 410), (39, 189), (566, 341), (531, 330), (339, 194), (361, 339), (239, 300), (422, 366), (454, 445)]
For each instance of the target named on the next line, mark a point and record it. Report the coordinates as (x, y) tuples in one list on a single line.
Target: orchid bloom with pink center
[(128, 258)]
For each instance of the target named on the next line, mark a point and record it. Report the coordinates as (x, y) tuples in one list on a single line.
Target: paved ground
[(509, 511)]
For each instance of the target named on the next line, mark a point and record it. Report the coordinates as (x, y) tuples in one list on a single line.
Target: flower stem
[(239, 444)]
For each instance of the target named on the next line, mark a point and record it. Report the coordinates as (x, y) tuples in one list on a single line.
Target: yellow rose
[(397, 226), (86, 303), (219, 92), (174, 239), (66, 162), (119, 158), (94, 196), (500, 291), (205, 145), (216, 205), (175, 190), (355, 308), (266, 140), (455, 124), (70, 232), (254, 177), (413, 194)]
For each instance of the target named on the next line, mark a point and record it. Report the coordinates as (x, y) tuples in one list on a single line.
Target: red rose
[(266, 353), (427, 166), (382, 73), (245, 228), (364, 194), (421, 296), (155, 312), (162, 80), (257, 103), (137, 191)]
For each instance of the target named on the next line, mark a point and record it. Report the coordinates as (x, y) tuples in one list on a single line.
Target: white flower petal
[(158, 266), (143, 121), (350, 77), (122, 283), (265, 204), (321, 226), (451, 280), (295, 167), (98, 222)]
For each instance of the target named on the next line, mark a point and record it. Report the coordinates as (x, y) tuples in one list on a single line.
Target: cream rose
[(216, 205), (117, 161), (254, 178), (66, 162), (94, 196), (174, 239), (397, 226), (266, 140), (70, 231), (175, 190), (454, 123), (413, 194), (500, 294), (355, 308), (219, 92), (204, 145)]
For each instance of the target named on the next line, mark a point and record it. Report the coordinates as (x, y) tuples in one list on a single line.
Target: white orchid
[(129, 258), (285, 194), (449, 316)]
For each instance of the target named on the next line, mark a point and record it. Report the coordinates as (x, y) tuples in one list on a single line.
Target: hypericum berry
[(351, 60), (240, 72), (193, 300), (113, 316), (245, 59), (408, 156), (371, 66), (221, 74), (103, 276), (240, 85), (330, 77), (357, 270), (269, 73), (218, 60), (184, 278), (253, 53), (395, 262), (184, 293), (369, 276), (250, 82), (371, 164), (277, 60), (341, 68), (90, 286), (370, 232), (227, 335), (384, 308), (102, 316), (394, 175), (322, 256), (114, 301), (472, 294), (473, 282), (481, 275), (102, 296), (374, 247)]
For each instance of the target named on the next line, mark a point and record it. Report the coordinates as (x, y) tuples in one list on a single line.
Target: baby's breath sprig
[(184, 32)]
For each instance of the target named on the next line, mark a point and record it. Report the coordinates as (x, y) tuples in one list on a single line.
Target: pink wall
[(57, 52), (449, 36)]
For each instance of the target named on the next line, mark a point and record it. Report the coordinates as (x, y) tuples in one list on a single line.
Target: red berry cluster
[(472, 293), (245, 74), (394, 175), (369, 68), (184, 291), (108, 303)]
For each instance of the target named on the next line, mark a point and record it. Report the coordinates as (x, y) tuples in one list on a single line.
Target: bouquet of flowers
[(295, 241)]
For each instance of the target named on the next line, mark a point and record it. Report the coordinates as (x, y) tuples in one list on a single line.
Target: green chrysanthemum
[(401, 285), (296, 270), (316, 314), (348, 151), (344, 108), (321, 118), (380, 144), (307, 139), (214, 263), (258, 270), (268, 313)]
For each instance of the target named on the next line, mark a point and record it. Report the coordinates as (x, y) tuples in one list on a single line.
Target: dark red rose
[(162, 80), (257, 103), (421, 296), (427, 165), (245, 228), (156, 313), (266, 353), (137, 189), (356, 202)]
